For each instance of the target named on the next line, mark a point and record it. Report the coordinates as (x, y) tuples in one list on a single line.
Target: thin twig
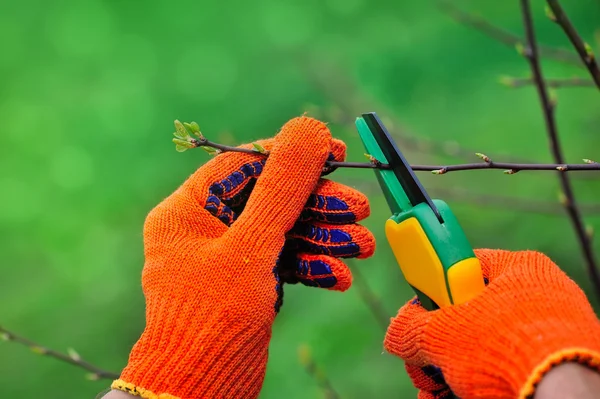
[(555, 83), (531, 53), (509, 167), (584, 50), (501, 35), (72, 358), (313, 370), (369, 297)]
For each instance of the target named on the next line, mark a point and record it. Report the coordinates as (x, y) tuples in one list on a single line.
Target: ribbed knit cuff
[(581, 356), (217, 355)]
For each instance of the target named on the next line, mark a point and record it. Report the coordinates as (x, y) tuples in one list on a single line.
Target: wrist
[(569, 380), (560, 370)]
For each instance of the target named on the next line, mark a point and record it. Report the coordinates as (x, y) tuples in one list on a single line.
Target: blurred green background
[(88, 94)]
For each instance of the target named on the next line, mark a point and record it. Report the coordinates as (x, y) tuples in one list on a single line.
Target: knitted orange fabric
[(530, 318), (211, 289)]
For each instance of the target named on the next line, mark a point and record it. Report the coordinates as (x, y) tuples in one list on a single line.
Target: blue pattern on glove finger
[(221, 203), (320, 216), (321, 234), (327, 208), (246, 171), (217, 208), (349, 250), (315, 268)]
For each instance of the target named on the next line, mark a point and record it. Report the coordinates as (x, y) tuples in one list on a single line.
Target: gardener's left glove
[(217, 252)]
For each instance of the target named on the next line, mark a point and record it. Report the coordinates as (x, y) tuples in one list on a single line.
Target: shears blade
[(399, 165)]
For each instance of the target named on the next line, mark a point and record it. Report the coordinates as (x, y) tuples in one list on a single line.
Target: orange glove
[(215, 267), (530, 318)]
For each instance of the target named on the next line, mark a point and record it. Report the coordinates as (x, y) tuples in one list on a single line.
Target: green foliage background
[(88, 93)]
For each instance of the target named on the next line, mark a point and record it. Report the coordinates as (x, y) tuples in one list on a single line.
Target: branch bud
[(211, 150), (92, 376), (73, 354), (194, 128), (553, 97), (550, 14), (304, 355), (589, 51), (561, 168), (510, 171), (38, 350), (508, 81), (589, 231), (485, 158), (439, 171), (5, 336), (588, 160), (562, 198), (260, 149), (522, 50), (373, 160)]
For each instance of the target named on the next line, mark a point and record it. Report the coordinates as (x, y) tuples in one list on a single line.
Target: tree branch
[(72, 358), (583, 49), (509, 167), (555, 83), (501, 35), (548, 106), (311, 367)]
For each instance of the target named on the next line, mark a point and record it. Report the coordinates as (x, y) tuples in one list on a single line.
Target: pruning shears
[(424, 235)]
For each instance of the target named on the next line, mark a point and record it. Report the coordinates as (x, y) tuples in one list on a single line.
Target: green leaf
[(259, 148), (210, 150), (183, 143), (194, 128), (92, 376), (181, 131), (178, 135), (5, 336), (180, 148)]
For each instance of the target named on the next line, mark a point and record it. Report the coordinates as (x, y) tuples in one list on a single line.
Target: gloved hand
[(214, 260), (530, 318)]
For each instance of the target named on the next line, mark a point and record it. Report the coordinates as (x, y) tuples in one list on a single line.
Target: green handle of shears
[(436, 258)]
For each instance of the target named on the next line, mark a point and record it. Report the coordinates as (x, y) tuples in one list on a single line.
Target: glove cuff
[(583, 356), (222, 354)]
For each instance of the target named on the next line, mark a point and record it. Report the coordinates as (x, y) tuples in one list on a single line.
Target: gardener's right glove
[(530, 318)]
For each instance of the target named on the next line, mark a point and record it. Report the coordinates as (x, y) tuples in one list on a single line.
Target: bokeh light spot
[(344, 7), (72, 168), (207, 73), (288, 24), (81, 29), (20, 201)]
